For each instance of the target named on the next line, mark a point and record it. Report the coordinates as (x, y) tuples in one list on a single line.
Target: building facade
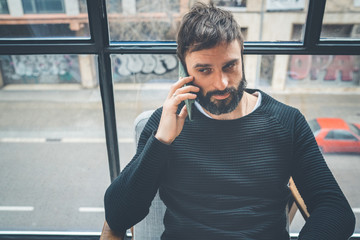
[(158, 20)]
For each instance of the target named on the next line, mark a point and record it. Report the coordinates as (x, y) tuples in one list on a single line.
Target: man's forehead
[(222, 45), (195, 47), (218, 54)]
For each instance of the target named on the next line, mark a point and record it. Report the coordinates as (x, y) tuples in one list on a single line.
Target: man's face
[(218, 73)]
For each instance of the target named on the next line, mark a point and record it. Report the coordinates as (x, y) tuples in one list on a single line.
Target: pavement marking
[(91, 209), (53, 233), (83, 140), (143, 86), (296, 235), (356, 210), (17, 208), (22, 140), (63, 140)]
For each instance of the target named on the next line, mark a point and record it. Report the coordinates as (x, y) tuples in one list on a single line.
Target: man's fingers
[(179, 84), (181, 97), (183, 113), (186, 89)]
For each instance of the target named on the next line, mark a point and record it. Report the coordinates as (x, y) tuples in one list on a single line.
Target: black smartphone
[(189, 102)]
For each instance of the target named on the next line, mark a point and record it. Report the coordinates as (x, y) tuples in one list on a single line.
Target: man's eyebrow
[(204, 65), (231, 62), (200, 65)]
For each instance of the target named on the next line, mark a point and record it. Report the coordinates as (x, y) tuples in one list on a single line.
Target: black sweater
[(227, 179)]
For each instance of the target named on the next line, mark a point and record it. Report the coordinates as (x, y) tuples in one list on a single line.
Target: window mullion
[(314, 23), (100, 35)]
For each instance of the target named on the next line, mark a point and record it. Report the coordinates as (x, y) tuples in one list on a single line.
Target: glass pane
[(44, 69), (144, 20), (302, 73), (320, 87), (141, 83), (44, 19), (324, 71), (54, 165), (341, 20), (140, 86)]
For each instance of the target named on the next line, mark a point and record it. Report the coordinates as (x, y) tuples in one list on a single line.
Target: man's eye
[(204, 70), (230, 66)]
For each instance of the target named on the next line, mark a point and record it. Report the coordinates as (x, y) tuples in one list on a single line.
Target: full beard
[(227, 105)]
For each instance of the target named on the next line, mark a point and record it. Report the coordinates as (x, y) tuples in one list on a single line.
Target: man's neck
[(245, 107)]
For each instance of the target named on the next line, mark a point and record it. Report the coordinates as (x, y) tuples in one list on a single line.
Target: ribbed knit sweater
[(227, 179)]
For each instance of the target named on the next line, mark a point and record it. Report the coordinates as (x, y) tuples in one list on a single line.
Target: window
[(143, 6), (134, 21), (43, 6), (115, 6), (52, 111), (340, 135), (4, 7), (230, 3), (35, 23), (325, 70), (330, 135), (291, 5), (344, 135), (143, 20), (41, 69), (349, 29), (71, 85), (355, 129)]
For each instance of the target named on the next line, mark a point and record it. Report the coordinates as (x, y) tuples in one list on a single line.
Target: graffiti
[(327, 68), (126, 65), (40, 69)]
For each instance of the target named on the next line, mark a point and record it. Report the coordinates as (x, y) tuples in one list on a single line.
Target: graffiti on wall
[(40, 69), (126, 65), (323, 68)]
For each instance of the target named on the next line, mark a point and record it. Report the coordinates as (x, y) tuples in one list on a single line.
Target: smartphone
[(189, 102)]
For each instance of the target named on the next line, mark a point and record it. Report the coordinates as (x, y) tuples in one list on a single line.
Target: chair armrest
[(108, 234), (298, 200)]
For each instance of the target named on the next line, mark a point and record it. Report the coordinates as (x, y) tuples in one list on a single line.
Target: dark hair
[(204, 27)]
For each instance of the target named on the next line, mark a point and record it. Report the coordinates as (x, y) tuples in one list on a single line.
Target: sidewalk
[(75, 113)]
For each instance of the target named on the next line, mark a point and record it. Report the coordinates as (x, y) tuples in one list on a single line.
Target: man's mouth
[(222, 96)]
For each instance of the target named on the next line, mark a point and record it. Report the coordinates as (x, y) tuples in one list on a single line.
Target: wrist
[(163, 139)]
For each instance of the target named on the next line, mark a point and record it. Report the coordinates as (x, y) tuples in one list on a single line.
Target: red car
[(336, 135)]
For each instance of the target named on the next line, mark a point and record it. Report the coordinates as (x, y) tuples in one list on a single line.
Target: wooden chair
[(157, 208)]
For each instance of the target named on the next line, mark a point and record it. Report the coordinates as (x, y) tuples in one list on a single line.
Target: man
[(224, 175)]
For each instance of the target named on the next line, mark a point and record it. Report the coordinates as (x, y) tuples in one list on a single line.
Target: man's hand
[(108, 234), (171, 123)]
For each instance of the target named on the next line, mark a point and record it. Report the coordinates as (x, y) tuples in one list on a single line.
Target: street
[(54, 166)]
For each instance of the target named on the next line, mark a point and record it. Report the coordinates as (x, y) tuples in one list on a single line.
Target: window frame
[(100, 45)]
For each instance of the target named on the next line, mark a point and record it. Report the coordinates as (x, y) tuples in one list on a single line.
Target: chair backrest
[(151, 227)]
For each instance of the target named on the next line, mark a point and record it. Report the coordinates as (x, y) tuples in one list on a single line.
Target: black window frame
[(99, 44)]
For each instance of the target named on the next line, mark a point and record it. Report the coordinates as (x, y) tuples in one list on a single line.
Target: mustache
[(218, 92)]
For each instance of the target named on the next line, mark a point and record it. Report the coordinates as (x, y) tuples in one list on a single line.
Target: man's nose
[(221, 82)]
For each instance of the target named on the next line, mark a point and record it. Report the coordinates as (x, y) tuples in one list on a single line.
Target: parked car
[(336, 135)]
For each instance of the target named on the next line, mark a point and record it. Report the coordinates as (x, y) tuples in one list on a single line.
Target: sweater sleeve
[(128, 198), (331, 216)]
